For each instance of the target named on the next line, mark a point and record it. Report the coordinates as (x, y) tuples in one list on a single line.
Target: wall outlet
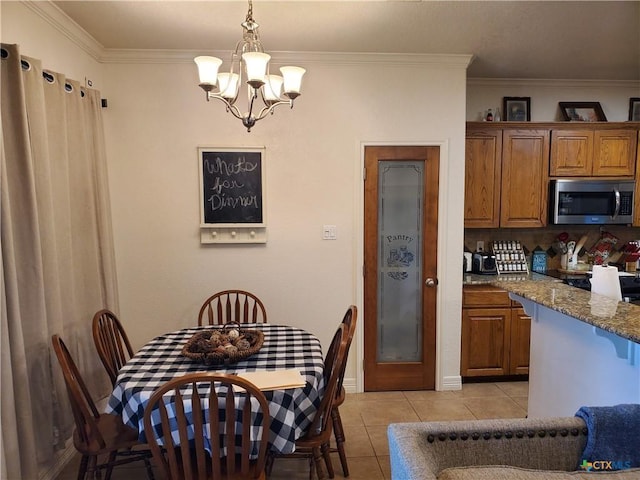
[(479, 246)]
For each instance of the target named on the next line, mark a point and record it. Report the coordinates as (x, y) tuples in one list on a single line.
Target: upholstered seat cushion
[(498, 472)]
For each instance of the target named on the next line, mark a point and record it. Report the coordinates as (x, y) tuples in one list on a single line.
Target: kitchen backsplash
[(532, 238)]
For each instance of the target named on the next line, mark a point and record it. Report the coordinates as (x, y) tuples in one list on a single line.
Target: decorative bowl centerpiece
[(223, 346)]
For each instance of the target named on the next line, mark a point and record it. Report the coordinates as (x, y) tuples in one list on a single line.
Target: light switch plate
[(329, 232)]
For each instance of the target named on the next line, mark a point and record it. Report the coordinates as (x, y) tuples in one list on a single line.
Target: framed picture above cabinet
[(582, 112), (634, 109), (516, 109)]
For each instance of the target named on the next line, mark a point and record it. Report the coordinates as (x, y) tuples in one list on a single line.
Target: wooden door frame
[(442, 254)]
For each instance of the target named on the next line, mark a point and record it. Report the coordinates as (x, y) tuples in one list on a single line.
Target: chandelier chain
[(249, 18)]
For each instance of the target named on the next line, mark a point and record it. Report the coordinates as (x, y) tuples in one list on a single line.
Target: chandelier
[(249, 60)]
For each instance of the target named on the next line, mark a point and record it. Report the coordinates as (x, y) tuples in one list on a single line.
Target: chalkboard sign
[(231, 187), (232, 196)]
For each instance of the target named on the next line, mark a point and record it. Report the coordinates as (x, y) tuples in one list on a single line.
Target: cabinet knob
[(431, 282)]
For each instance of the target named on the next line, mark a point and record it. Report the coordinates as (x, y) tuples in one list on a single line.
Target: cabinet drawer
[(484, 296)]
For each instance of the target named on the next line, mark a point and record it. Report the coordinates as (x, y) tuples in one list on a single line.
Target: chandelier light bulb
[(256, 65), (208, 70), (292, 80), (228, 84), (273, 88)]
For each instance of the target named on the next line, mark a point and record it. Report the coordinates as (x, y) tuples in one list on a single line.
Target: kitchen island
[(585, 347)]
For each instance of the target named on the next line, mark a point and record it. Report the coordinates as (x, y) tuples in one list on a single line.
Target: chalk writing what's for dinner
[(223, 195), (222, 167), (219, 202)]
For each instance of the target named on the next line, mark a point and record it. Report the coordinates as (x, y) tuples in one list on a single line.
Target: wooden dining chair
[(349, 321), (183, 458), (314, 444), (232, 306), (112, 343), (96, 434)]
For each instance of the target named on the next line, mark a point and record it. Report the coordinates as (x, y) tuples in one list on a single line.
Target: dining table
[(284, 348)]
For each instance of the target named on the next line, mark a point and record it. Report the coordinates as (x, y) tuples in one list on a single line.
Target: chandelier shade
[(228, 83), (208, 70), (292, 80), (249, 65), (273, 87)]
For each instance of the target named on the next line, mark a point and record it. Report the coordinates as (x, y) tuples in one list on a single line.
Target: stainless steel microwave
[(591, 202)]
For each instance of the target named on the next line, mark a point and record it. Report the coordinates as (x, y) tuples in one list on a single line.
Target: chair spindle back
[(232, 306), (112, 343), (84, 409), (200, 396)]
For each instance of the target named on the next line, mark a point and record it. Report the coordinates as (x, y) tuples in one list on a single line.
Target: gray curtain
[(58, 264)]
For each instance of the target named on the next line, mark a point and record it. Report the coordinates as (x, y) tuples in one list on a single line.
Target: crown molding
[(49, 12), (549, 82), (327, 58)]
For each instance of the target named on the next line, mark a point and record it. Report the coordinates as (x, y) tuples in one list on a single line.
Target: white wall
[(157, 117), (613, 96), (35, 27)]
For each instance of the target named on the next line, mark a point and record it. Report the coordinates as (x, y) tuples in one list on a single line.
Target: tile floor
[(366, 416)]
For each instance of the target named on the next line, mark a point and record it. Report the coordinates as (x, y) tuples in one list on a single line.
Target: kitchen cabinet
[(508, 166), (571, 153), (505, 178), (593, 152), (614, 152), (525, 183), (495, 333), (482, 178)]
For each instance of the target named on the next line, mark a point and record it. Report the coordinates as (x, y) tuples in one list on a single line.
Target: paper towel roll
[(605, 281)]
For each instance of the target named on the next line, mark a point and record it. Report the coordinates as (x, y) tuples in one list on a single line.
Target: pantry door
[(400, 252)]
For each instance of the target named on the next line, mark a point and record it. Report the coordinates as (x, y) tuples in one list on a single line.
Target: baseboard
[(349, 385), (453, 382), (448, 383)]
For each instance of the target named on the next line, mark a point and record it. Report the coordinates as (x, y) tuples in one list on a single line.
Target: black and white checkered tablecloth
[(284, 347)]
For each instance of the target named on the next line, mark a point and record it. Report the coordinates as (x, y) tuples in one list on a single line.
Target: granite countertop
[(620, 318)]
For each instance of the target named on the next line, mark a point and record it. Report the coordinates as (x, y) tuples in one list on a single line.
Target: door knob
[(431, 282)]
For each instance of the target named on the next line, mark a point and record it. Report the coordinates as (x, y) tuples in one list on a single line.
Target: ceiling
[(509, 39)]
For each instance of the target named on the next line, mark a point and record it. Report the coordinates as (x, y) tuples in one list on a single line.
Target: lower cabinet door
[(520, 338), (485, 341)]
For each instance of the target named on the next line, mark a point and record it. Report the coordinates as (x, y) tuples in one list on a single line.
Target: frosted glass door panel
[(400, 214)]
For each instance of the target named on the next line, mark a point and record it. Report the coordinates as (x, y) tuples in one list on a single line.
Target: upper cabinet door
[(593, 152), (614, 152), (483, 154), (571, 153), (525, 163)]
